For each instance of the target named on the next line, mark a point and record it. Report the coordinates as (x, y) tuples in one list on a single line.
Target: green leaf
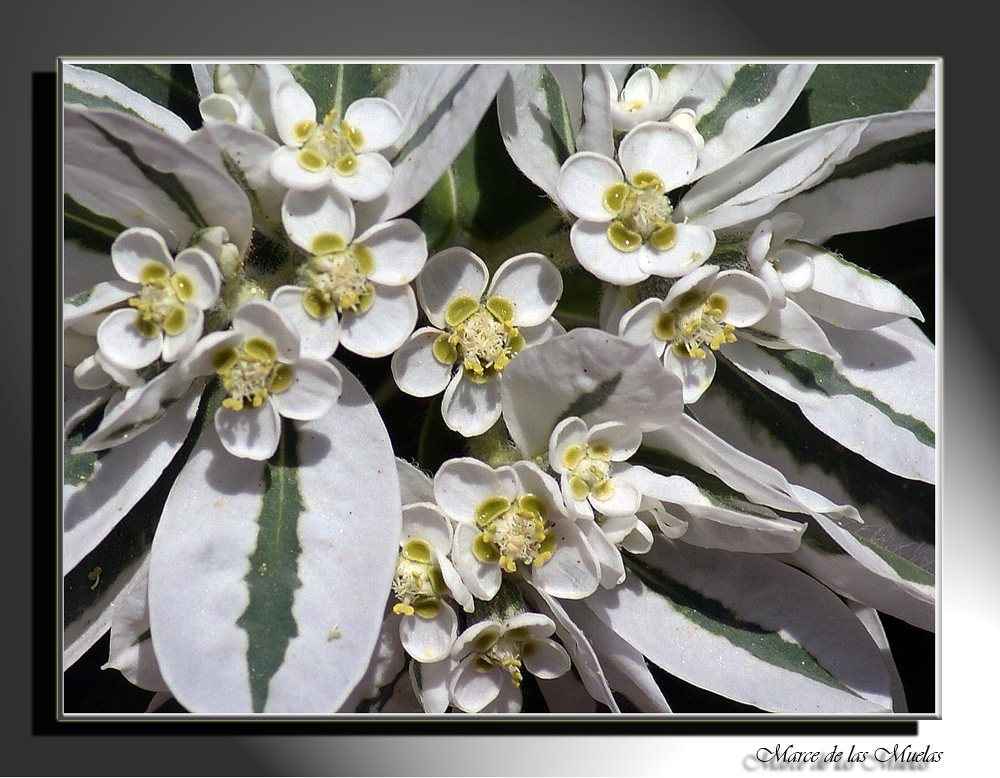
[(843, 91), (335, 87), (90, 230)]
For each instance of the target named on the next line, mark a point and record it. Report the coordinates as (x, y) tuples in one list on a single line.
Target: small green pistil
[(513, 532), (642, 214), (251, 373), (337, 277), (330, 144), (160, 302), (483, 336)]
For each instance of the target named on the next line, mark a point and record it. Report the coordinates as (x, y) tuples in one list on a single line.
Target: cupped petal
[(694, 244), (319, 338), (572, 572), (472, 690), (203, 271), (699, 278), (568, 432), (637, 324), (200, 361), (249, 433), (176, 346), (399, 251), (579, 509), (545, 658), (456, 586), (220, 108), (378, 120), (539, 483), (794, 268), (322, 213), (290, 104), (286, 170), (624, 439), (314, 389), (470, 408), (368, 181), (385, 326), (640, 539), (759, 244), (545, 331), (641, 88), (624, 499), (259, 318), (415, 368), (454, 272), (596, 253), (661, 148), (532, 283), (135, 248), (747, 297), (480, 578), (696, 374), (583, 180), (122, 344), (425, 521), (608, 557), (462, 485), (429, 640)]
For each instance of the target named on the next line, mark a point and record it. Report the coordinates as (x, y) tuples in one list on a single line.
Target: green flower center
[(336, 278), (160, 302), (417, 583), (642, 214), (481, 336), (502, 650), (330, 144), (250, 373), (695, 322), (589, 467), (513, 532)]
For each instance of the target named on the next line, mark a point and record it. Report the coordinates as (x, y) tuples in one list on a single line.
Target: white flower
[(267, 374), (332, 151), (351, 290), (490, 656), (166, 297), (424, 575), (780, 266), (625, 232), (476, 329), (701, 310), (588, 460), (645, 98), (511, 520)]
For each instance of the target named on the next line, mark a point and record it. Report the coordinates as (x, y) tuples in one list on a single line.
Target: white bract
[(166, 297), (511, 520), (624, 231), (700, 313), (779, 265), (476, 330), (332, 151), (267, 374), (350, 290), (491, 655)]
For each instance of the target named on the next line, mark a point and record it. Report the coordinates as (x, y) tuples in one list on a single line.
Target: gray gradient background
[(585, 29)]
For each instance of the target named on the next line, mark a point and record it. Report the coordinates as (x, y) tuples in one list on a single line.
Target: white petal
[(462, 485), (385, 326), (623, 439), (700, 278), (595, 252), (566, 433), (315, 387), (199, 361), (470, 408), (695, 374), (135, 248), (572, 573), (177, 346), (643, 86), (399, 249), (541, 484), (661, 148), (286, 170), (693, 246), (368, 181), (204, 273), (747, 297), (481, 579), (636, 325), (583, 180), (262, 319), (794, 268), (608, 557), (429, 640), (90, 374), (759, 244), (379, 121), (308, 215), (250, 433), (122, 344), (623, 501), (319, 337), (546, 659), (532, 283), (415, 368), (454, 272), (543, 332), (424, 521), (472, 690), (290, 104)]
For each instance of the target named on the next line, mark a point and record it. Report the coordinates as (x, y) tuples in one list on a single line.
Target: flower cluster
[(408, 460)]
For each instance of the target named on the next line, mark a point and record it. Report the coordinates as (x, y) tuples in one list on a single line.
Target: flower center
[(482, 336), (589, 468), (337, 278), (502, 650), (695, 322), (642, 214), (332, 143), (160, 303), (417, 583), (513, 532), (250, 373)]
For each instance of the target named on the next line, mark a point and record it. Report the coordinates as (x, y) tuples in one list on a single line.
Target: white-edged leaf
[(120, 167), (91, 89), (870, 618), (590, 374), (746, 627), (268, 580), (861, 409), (131, 650)]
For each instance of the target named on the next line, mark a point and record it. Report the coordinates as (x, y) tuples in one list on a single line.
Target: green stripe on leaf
[(751, 85)]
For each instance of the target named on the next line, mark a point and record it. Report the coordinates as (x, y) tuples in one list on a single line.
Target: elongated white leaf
[(747, 627), (436, 142), (590, 374), (120, 167), (738, 105), (869, 617), (95, 498), (268, 580), (596, 134), (131, 650), (95, 90), (859, 409)]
